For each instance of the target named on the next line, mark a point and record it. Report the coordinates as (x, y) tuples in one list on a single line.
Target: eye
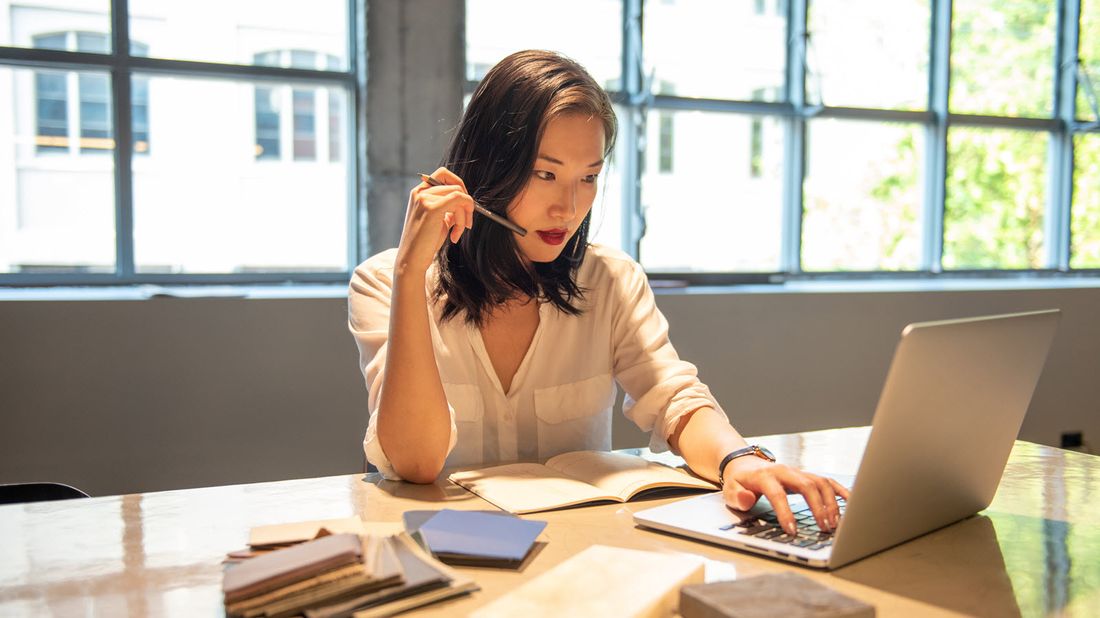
[(544, 175), (590, 179)]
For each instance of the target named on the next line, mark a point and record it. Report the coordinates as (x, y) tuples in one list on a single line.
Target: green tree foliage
[(996, 195), (1085, 227), (996, 187), (1001, 58)]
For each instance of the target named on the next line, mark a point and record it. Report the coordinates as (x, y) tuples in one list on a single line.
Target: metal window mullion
[(1004, 122), (760, 108), (633, 219), (790, 251), (935, 157), (1060, 194), (123, 134), (355, 135)]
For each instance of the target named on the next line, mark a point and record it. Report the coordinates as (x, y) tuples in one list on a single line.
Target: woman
[(479, 345)]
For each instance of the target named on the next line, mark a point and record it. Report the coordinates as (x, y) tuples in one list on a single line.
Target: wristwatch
[(752, 449)]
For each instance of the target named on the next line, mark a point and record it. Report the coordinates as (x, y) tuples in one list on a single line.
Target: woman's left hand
[(747, 478)]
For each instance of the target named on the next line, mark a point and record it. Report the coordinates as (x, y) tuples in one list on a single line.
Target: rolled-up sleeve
[(369, 296), (660, 387)]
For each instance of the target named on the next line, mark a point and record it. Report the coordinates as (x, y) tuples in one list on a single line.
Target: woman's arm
[(704, 438), (413, 420)]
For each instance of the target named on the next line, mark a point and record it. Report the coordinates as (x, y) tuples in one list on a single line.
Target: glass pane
[(868, 53), (862, 196), (267, 120), (51, 118), (1002, 57), (996, 198), (1085, 227), (57, 201), (607, 211), (93, 42), (336, 133), (54, 25), (1089, 51), (690, 46), (588, 31), (140, 109), (209, 200), (723, 191), (95, 114), (234, 31), (305, 139)]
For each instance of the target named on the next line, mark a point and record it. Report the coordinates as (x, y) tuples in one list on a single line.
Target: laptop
[(952, 405)]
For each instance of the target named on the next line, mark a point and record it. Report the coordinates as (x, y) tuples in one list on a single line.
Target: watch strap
[(751, 449)]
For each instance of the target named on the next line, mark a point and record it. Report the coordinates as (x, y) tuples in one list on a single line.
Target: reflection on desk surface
[(1035, 551)]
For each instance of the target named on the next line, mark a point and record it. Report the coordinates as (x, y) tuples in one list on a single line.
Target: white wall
[(127, 396)]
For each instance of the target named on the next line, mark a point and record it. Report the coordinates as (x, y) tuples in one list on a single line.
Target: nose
[(564, 206)]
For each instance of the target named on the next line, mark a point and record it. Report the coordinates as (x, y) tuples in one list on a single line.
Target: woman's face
[(562, 186)]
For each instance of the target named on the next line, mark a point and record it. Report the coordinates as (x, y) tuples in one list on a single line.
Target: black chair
[(16, 493)]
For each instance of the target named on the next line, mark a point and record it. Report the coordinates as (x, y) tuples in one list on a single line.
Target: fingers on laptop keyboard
[(777, 496)]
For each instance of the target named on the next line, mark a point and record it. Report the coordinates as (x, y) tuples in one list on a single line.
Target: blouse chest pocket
[(575, 416), (469, 407)]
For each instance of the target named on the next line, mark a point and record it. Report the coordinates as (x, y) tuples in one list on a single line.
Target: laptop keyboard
[(809, 535)]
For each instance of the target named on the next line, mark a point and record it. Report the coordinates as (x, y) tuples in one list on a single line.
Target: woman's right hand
[(433, 214)]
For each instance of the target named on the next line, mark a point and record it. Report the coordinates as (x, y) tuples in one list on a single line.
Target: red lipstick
[(553, 237)]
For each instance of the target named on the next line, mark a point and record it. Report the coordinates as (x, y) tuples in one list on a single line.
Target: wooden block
[(778, 594), (602, 581)]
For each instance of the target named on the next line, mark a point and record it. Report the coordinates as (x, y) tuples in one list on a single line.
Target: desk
[(1035, 551)]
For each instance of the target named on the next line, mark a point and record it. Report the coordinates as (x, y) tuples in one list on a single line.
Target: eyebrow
[(559, 162)]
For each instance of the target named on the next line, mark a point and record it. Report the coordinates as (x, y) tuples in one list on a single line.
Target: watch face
[(766, 453)]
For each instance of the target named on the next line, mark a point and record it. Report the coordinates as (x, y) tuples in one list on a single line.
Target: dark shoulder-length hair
[(493, 150)]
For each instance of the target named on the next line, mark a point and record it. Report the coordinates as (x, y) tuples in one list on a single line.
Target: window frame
[(122, 65), (795, 109)]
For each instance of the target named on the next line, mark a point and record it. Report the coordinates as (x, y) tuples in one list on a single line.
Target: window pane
[(51, 106), (235, 31), (589, 31), (93, 42), (692, 45), (1089, 46), (305, 142), (53, 25), (140, 109), (267, 122), (607, 210), (731, 217), (232, 212), (862, 196), (1002, 57), (996, 198), (336, 114), (58, 41), (57, 206), (95, 114), (868, 53), (1085, 230)]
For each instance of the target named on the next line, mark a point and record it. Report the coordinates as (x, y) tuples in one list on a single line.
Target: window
[(314, 114), (91, 117), (849, 137), (235, 166)]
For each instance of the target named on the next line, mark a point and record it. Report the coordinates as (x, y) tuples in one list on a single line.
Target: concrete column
[(415, 74)]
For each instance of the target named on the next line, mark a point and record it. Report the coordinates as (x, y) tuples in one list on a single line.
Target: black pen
[(492, 216)]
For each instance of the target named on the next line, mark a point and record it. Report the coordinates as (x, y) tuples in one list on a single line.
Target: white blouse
[(562, 395)]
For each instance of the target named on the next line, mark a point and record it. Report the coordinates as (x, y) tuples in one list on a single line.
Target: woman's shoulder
[(377, 267), (604, 262)]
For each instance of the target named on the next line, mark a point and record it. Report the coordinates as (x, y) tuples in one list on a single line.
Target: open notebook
[(571, 479)]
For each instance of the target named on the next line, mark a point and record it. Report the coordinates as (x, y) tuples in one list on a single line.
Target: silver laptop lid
[(950, 409)]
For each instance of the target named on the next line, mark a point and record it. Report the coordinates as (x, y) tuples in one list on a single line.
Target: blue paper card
[(479, 538)]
